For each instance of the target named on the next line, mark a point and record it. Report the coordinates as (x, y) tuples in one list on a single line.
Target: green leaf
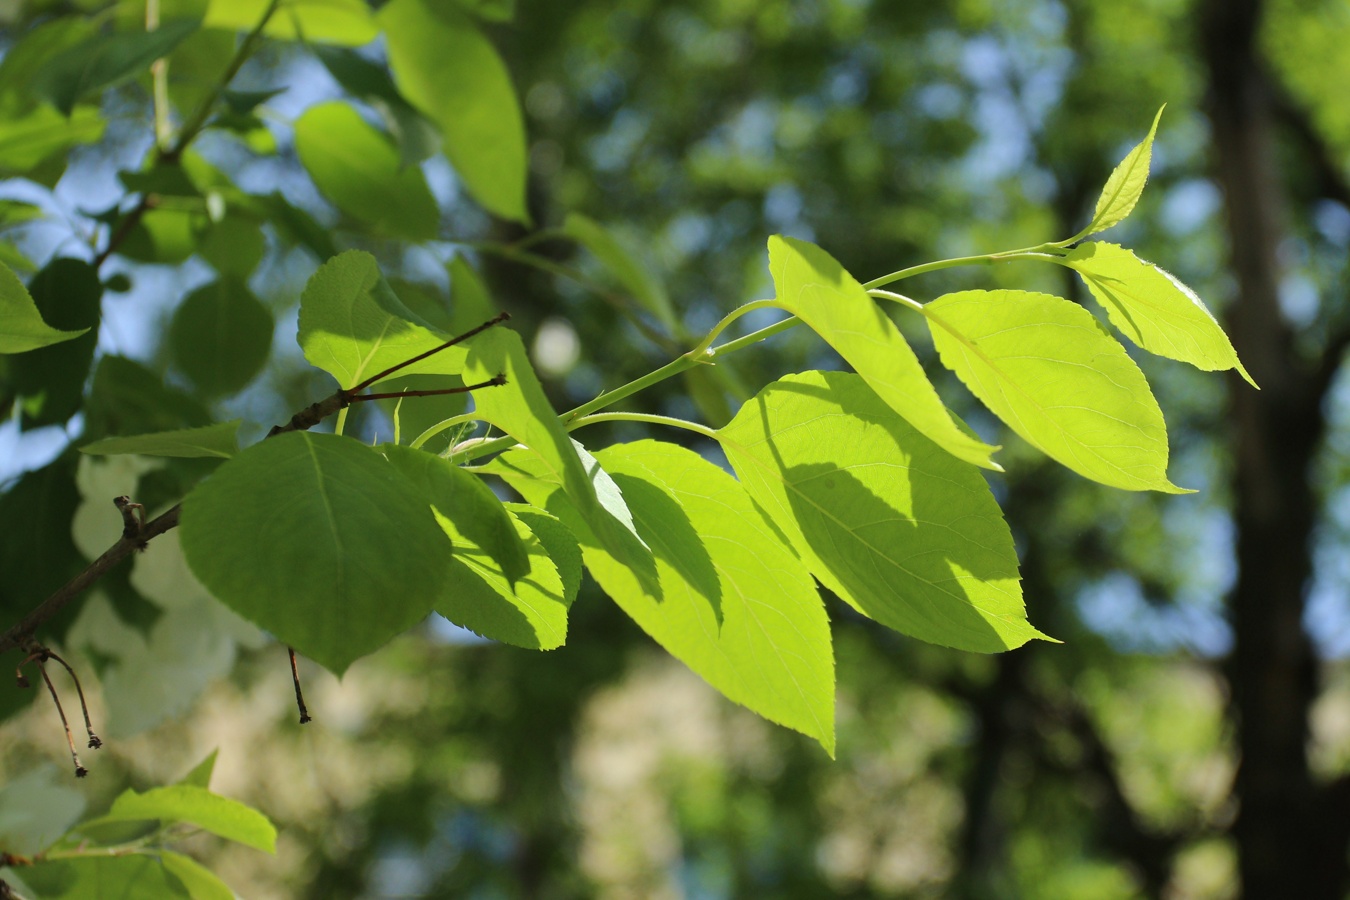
[(42, 134), (417, 139), (346, 22), (68, 294), (1048, 369), (635, 278), (737, 606), (1125, 185), (36, 808), (21, 325), (135, 876), (197, 806), (104, 61), (358, 168), (521, 409), (905, 533), (473, 513), (201, 882), (200, 776), (319, 540), (814, 287), (1153, 308), (233, 246), (492, 10), (221, 336), (219, 441), (127, 398), (352, 326), (446, 68), (558, 541), (470, 303)]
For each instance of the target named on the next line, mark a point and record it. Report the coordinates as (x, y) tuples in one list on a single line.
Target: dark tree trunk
[(1290, 843)]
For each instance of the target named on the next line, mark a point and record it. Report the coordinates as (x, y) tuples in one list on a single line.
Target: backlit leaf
[(1126, 184), (906, 533), (319, 540), (635, 278), (197, 806), (1153, 308), (201, 882), (1049, 370), (358, 168), (815, 288), (21, 325), (346, 22), (449, 70)]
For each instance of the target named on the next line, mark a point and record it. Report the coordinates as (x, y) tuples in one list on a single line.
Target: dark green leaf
[(217, 441), (21, 325), (68, 293), (319, 540), (221, 336), (104, 61)]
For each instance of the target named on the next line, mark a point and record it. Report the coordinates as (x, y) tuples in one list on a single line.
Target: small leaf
[(197, 806), (221, 336), (358, 168), (104, 61), (220, 441), (201, 882), (345, 22), (200, 776), (21, 325), (1153, 308), (737, 606), (815, 288), (1048, 369), (449, 70), (905, 533), (1125, 185), (319, 540), (68, 294), (353, 326), (635, 278)]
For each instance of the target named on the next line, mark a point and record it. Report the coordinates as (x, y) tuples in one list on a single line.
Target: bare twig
[(80, 771), (299, 696)]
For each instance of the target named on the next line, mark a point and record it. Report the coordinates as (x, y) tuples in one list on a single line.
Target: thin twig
[(495, 381), (94, 741), (457, 339), (80, 771), (299, 696)]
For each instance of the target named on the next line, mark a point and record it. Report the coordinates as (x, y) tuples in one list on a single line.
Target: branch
[(135, 534)]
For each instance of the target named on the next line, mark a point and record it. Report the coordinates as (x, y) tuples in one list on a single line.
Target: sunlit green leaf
[(197, 806), (352, 326), (201, 882), (1153, 308), (449, 70), (737, 606), (906, 533), (815, 288), (1049, 370), (358, 168), (221, 336), (319, 540), (635, 278), (21, 325), (42, 134), (201, 773), (558, 541), (220, 441), (1126, 184), (346, 22)]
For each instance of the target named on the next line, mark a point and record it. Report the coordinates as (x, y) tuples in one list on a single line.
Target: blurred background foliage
[(891, 134)]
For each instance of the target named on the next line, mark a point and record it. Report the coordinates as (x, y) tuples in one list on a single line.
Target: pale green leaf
[(1125, 185), (904, 532), (220, 441), (521, 409), (353, 326), (449, 70), (197, 806), (346, 22), (815, 288), (221, 336), (1153, 308), (42, 133), (319, 540), (737, 606), (201, 882), (200, 775), (635, 278), (358, 168), (21, 325), (1050, 370)]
